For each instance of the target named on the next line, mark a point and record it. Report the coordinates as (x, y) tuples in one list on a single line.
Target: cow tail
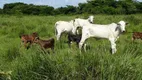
[(56, 32), (56, 29)]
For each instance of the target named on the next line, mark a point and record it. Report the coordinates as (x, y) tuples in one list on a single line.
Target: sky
[(54, 3)]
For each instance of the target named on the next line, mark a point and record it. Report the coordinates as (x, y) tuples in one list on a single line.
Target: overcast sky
[(54, 3)]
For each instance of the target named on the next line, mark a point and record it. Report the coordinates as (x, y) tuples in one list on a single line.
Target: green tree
[(91, 7), (71, 9), (138, 7), (62, 10), (13, 8), (1, 11)]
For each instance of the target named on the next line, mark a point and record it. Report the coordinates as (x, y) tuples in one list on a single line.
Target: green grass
[(69, 64)]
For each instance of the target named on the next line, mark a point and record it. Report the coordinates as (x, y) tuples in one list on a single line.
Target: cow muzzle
[(123, 31), (91, 22)]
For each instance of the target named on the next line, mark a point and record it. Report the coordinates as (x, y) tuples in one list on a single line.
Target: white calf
[(63, 26), (110, 32), (82, 22)]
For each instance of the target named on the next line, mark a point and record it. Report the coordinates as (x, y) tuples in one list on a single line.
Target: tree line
[(91, 7)]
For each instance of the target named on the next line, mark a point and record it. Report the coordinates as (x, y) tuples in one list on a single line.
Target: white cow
[(82, 22), (110, 32), (63, 26)]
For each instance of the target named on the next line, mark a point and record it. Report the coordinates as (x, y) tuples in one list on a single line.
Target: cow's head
[(75, 26), (122, 25), (34, 34), (25, 40), (91, 19)]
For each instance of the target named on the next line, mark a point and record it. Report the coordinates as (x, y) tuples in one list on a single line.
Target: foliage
[(1, 11), (21, 8), (91, 7)]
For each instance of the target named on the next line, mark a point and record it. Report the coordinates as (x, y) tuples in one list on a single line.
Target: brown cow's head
[(25, 40), (34, 34), (28, 39)]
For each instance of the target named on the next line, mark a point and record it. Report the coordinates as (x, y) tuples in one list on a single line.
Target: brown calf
[(28, 39), (45, 44), (137, 35)]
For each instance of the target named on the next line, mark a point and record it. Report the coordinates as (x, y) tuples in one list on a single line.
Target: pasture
[(68, 63)]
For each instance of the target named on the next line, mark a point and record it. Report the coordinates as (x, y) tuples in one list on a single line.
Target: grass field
[(69, 64)]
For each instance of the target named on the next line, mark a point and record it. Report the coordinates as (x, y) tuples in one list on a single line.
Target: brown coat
[(28, 39), (137, 35), (45, 44)]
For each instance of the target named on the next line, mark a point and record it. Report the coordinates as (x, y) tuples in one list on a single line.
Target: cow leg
[(58, 35), (42, 48), (82, 41), (25, 44), (77, 44), (133, 39), (21, 43), (52, 48), (81, 44), (84, 46), (29, 44), (113, 45), (69, 43), (116, 38), (28, 47)]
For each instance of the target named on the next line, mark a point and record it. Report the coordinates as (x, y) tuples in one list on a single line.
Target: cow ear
[(116, 28), (74, 20), (19, 36), (35, 33), (118, 24), (127, 23)]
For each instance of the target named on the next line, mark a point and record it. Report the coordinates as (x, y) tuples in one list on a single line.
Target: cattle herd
[(110, 31)]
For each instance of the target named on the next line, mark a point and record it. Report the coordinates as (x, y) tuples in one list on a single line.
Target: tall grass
[(68, 63)]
